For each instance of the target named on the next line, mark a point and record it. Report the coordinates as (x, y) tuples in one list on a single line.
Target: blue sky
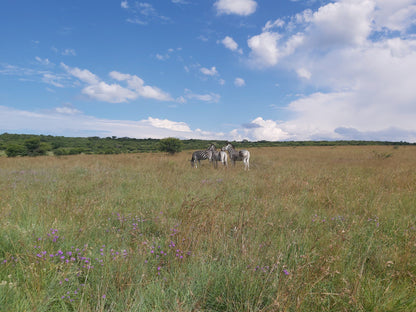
[(212, 69)]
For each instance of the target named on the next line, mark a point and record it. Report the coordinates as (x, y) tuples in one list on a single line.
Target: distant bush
[(170, 145), (35, 147), (14, 150)]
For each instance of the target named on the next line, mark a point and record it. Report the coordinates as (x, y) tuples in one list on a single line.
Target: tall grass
[(306, 229)]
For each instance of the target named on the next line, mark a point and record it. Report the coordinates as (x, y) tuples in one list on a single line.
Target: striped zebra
[(243, 155), (219, 156), (197, 156)]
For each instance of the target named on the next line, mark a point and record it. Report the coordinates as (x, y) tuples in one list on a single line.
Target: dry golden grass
[(306, 229)]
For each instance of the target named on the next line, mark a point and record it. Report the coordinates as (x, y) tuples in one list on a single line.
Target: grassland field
[(306, 229)]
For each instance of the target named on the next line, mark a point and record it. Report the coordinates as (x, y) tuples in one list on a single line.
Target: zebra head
[(212, 148), (228, 147)]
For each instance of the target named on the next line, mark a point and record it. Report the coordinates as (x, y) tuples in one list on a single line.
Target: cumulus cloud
[(344, 23), (239, 7), (341, 23), (230, 44), (239, 82), (209, 71), (113, 92), (267, 130), (260, 129), (137, 85), (357, 52), (168, 124), (396, 15), (264, 49), (124, 4), (82, 74), (304, 73)]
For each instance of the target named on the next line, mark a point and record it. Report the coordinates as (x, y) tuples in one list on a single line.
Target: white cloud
[(53, 79), (64, 121), (165, 56), (340, 24), (209, 71), (359, 53), (260, 129), (82, 74), (239, 82), (396, 15), (161, 57), (136, 21), (168, 124), (239, 7), (276, 24), (142, 13), (115, 93), (137, 84), (67, 110), (346, 22), (209, 97), (180, 99), (304, 73), (112, 93), (42, 61), (28, 74), (70, 52), (230, 44), (264, 49)]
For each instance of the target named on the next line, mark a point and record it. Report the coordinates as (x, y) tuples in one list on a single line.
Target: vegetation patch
[(306, 229)]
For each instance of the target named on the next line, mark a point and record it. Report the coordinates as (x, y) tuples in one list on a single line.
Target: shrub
[(170, 145), (14, 150), (36, 148)]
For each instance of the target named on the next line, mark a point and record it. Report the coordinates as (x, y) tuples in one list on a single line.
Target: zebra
[(243, 155), (215, 155), (197, 156), (219, 156)]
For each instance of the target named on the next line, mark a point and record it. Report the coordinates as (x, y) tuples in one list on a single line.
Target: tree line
[(13, 145)]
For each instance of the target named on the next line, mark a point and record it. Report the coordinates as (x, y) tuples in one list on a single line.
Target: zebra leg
[(246, 164)]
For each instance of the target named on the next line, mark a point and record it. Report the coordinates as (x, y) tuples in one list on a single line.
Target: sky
[(252, 70)]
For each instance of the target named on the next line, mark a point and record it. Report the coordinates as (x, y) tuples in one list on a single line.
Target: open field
[(306, 229)]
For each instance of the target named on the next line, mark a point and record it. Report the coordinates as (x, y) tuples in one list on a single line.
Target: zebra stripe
[(243, 155), (219, 156), (197, 156)]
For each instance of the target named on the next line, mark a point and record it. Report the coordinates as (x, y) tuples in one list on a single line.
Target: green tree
[(170, 145), (14, 150), (36, 148)]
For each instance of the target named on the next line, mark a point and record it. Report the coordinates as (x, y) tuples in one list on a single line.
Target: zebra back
[(201, 155)]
